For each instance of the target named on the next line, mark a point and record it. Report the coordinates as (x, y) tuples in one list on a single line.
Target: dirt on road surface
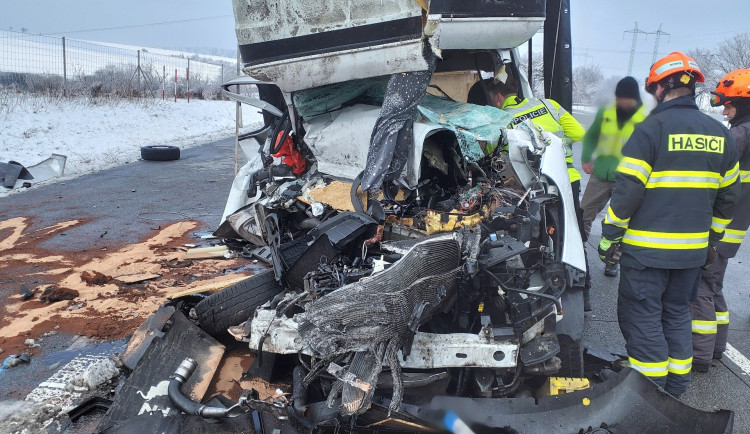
[(99, 293)]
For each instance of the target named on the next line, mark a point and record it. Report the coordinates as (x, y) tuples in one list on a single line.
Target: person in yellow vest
[(552, 117), (602, 150)]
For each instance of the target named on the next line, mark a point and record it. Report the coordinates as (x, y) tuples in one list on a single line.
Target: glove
[(710, 256), (609, 251)]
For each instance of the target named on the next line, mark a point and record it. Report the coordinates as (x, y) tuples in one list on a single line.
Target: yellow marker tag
[(685, 79), (481, 307), (586, 401)]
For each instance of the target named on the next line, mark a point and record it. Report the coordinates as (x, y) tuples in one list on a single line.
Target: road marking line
[(738, 359)]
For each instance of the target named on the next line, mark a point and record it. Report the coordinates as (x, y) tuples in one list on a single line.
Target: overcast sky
[(598, 25)]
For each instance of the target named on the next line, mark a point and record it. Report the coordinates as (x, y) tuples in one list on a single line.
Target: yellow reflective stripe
[(704, 327), (722, 318), (733, 236), (634, 167), (612, 219), (649, 369), (731, 176), (666, 240), (680, 366), (719, 224), (684, 179), (745, 175)]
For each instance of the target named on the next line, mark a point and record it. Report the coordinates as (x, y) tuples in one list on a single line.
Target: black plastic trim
[(331, 41)]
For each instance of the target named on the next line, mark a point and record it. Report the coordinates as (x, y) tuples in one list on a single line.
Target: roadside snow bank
[(99, 135)]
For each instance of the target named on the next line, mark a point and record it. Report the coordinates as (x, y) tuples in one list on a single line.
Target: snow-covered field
[(110, 133)]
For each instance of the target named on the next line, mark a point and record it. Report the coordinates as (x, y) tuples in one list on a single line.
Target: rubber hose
[(185, 404), (299, 400)]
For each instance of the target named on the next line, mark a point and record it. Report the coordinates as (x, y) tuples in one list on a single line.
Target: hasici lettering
[(696, 142)]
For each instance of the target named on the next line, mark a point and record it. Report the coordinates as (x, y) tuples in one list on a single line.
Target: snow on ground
[(111, 132)]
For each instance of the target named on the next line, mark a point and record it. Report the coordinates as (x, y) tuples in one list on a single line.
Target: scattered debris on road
[(15, 175), (16, 359), (122, 284)]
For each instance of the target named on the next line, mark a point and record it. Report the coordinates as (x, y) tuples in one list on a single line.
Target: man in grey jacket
[(710, 315)]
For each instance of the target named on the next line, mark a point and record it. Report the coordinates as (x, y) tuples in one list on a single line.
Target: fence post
[(65, 69), (187, 79), (222, 73), (175, 85), (163, 82)]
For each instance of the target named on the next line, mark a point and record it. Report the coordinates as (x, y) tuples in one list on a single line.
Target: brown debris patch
[(95, 278), (228, 378), (104, 306), (52, 294)]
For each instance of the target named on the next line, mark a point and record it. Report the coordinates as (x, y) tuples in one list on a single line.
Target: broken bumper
[(626, 403)]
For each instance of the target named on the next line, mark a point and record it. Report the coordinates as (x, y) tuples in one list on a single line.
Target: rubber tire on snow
[(234, 305), (160, 153)]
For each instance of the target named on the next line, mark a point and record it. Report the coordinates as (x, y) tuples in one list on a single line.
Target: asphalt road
[(727, 384), (129, 202)]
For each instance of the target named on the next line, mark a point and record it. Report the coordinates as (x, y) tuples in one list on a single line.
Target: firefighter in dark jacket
[(675, 192), (709, 310)]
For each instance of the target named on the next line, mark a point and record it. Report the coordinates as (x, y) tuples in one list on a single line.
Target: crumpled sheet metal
[(372, 317), (476, 127), (393, 135)]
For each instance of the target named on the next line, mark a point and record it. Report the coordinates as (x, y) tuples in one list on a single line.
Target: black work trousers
[(710, 312), (653, 309)]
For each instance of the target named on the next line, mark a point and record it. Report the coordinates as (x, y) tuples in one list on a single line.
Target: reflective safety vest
[(552, 117), (612, 138), (676, 188)]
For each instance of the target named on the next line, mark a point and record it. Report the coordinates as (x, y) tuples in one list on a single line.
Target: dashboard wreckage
[(426, 264)]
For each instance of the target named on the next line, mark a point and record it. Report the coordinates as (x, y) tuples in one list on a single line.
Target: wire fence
[(49, 64)]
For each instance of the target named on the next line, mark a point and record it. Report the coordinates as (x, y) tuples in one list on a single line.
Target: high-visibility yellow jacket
[(606, 137), (548, 114), (676, 189)]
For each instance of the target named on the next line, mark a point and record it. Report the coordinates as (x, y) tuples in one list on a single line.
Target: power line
[(658, 34), (635, 31), (146, 25)]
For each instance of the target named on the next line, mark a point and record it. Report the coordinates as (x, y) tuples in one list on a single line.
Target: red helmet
[(735, 86), (676, 66)]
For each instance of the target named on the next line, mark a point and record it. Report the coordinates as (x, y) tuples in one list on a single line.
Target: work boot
[(701, 366), (611, 270), (718, 355)]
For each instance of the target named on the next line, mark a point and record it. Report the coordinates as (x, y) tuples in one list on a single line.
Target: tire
[(160, 153), (570, 334), (234, 305)]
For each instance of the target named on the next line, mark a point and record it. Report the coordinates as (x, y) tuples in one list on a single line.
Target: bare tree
[(731, 54), (587, 80), (734, 53), (537, 71)]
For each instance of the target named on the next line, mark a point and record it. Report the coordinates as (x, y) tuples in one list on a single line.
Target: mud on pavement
[(100, 293)]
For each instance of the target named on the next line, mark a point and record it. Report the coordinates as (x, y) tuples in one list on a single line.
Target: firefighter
[(675, 192), (603, 143), (552, 117), (709, 310)]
